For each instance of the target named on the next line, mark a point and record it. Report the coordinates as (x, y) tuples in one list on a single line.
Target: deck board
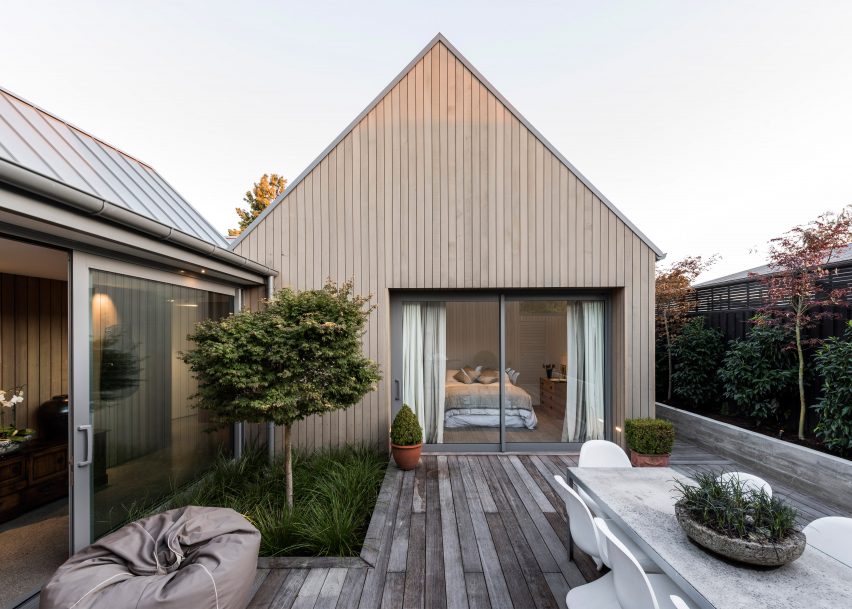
[(475, 532)]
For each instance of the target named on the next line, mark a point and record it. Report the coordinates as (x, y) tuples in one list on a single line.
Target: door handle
[(396, 384), (90, 446)]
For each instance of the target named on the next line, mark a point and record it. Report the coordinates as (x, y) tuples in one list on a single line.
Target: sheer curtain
[(584, 414), (424, 339)]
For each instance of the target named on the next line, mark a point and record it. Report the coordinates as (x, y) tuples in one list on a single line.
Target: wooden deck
[(468, 532)]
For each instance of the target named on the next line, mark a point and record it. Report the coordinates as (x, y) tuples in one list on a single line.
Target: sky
[(713, 126)]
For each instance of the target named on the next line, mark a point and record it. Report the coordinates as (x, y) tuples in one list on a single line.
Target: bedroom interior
[(554, 376)]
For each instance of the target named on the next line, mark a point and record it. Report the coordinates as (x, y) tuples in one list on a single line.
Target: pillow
[(466, 375), (513, 375), (488, 376)]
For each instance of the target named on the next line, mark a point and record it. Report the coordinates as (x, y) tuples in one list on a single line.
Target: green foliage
[(649, 436), (757, 370), (734, 510), (834, 365), (300, 355), (336, 491), (697, 353), (405, 429), (258, 199)]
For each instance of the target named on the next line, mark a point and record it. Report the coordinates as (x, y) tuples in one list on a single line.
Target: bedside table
[(553, 393)]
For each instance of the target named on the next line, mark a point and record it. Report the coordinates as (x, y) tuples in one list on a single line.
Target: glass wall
[(555, 355), (148, 438), (553, 383)]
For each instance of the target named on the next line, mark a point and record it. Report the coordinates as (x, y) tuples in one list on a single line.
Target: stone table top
[(641, 501)]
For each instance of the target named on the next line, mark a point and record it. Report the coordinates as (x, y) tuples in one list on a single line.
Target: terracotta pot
[(643, 460), (406, 457)]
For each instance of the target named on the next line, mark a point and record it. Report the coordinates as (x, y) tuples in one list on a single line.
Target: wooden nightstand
[(553, 393)]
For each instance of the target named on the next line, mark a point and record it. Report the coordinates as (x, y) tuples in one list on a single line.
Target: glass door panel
[(555, 368), (450, 358)]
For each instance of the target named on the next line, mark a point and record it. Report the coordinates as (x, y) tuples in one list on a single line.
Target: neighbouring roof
[(840, 258), (439, 38), (44, 144)]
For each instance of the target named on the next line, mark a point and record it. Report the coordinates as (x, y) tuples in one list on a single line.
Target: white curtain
[(584, 414), (424, 339)]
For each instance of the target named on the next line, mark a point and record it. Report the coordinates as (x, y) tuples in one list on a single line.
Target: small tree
[(675, 300), (834, 364), (796, 296), (300, 355), (258, 198), (697, 354)]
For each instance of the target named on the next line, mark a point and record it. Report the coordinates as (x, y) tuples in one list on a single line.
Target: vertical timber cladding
[(440, 186)]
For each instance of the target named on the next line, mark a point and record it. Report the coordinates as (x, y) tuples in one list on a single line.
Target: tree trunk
[(288, 465), (668, 355), (802, 405)]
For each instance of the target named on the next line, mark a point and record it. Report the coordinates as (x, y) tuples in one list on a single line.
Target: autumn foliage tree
[(258, 198), (675, 300), (797, 291)]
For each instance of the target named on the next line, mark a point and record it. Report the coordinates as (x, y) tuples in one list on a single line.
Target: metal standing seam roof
[(40, 142), (440, 38)]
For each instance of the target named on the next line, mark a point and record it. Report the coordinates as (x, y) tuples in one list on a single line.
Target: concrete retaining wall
[(823, 476)]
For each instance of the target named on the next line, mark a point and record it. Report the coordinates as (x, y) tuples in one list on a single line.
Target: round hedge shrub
[(649, 436), (406, 430), (834, 365)]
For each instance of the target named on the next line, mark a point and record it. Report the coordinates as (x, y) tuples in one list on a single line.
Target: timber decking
[(471, 532)]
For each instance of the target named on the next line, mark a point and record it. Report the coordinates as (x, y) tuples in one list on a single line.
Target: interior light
[(203, 271)]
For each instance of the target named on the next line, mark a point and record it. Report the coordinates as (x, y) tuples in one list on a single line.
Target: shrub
[(649, 436), (697, 353), (834, 365), (757, 370), (733, 510), (406, 430)]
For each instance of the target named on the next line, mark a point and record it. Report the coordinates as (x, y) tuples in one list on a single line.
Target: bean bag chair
[(188, 558)]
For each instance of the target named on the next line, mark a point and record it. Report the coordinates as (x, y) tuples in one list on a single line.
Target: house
[(104, 269), (729, 302), (485, 251)]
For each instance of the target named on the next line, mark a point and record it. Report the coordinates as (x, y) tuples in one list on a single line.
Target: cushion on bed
[(488, 376), (466, 375)]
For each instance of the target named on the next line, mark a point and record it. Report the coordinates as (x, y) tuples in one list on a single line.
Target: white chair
[(600, 453), (585, 534), (581, 524), (648, 565), (749, 482), (832, 535), (626, 586), (678, 602)]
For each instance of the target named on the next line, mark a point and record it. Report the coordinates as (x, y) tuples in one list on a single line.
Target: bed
[(478, 405)]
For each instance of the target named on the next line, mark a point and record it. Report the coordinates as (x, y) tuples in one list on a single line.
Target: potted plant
[(650, 441), (738, 522), (406, 438)]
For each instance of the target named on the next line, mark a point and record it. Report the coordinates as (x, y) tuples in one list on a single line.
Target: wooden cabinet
[(32, 476), (553, 393)]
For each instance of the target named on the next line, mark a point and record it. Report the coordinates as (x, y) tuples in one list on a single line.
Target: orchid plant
[(10, 400)]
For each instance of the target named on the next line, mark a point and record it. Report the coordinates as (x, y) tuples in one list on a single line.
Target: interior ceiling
[(19, 258)]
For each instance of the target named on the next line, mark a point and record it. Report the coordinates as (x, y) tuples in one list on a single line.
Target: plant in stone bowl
[(650, 441), (738, 521)]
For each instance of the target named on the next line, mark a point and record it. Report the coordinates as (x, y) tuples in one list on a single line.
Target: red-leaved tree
[(797, 291), (675, 300)]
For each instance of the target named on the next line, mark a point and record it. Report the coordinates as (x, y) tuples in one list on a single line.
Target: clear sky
[(714, 126)]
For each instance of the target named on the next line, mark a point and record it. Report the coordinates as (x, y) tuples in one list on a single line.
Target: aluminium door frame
[(501, 296), (81, 444)]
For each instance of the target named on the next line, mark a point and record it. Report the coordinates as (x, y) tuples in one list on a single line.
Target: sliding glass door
[(498, 372)]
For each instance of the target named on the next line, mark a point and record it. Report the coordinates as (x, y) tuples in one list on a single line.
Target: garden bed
[(335, 492)]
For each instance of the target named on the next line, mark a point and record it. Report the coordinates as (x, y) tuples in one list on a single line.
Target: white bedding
[(484, 415)]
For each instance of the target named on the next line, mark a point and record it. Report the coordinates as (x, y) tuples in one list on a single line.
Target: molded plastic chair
[(585, 534), (648, 565), (600, 453), (749, 482), (626, 586), (678, 602), (581, 523), (832, 535)]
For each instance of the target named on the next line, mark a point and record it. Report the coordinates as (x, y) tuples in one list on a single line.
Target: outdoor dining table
[(641, 502)]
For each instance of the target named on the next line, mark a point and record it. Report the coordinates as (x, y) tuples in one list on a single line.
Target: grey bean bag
[(189, 558)]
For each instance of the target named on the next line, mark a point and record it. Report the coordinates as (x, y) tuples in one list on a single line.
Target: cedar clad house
[(486, 251)]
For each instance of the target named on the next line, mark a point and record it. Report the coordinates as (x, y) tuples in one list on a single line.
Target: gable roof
[(439, 38), (38, 141)]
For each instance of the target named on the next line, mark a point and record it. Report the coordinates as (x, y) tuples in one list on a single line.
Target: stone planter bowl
[(742, 550)]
